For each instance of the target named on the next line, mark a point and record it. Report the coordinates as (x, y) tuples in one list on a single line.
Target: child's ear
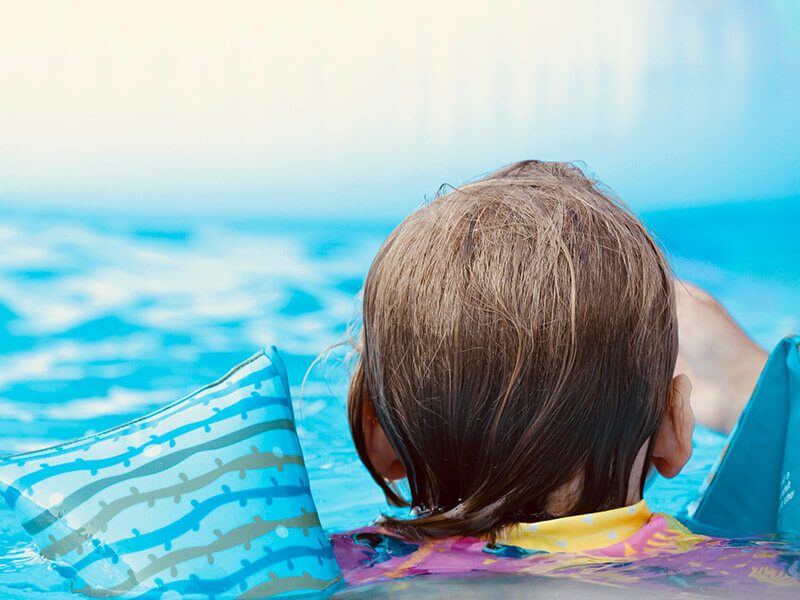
[(380, 451), (673, 441)]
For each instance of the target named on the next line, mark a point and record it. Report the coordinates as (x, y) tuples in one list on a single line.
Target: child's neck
[(561, 501)]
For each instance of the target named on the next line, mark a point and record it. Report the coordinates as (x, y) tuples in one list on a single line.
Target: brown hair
[(518, 336)]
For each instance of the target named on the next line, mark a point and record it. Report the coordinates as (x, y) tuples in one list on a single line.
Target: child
[(517, 367)]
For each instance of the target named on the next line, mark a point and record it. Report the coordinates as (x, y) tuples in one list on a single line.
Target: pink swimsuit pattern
[(628, 546)]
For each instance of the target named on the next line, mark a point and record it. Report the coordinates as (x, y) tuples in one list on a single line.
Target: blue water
[(104, 319)]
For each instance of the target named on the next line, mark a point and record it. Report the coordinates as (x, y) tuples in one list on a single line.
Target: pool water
[(104, 319)]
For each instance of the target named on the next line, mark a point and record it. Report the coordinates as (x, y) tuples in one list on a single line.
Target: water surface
[(104, 319)]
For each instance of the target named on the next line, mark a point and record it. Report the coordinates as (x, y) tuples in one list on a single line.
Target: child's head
[(517, 354)]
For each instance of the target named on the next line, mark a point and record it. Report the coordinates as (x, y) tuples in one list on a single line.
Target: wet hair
[(519, 337)]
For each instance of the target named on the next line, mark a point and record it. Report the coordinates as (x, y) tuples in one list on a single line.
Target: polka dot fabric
[(208, 496)]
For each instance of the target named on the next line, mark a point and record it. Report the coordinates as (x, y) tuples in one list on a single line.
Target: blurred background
[(182, 183), (357, 109)]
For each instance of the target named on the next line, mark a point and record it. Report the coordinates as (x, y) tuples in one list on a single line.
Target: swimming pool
[(104, 319)]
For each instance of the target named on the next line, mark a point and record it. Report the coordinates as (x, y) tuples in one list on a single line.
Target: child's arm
[(722, 361)]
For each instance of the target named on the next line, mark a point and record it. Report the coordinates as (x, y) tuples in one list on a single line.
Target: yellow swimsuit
[(582, 533)]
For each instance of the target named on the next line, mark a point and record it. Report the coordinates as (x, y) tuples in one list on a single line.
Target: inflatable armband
[(208, 496), (755, 487)]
